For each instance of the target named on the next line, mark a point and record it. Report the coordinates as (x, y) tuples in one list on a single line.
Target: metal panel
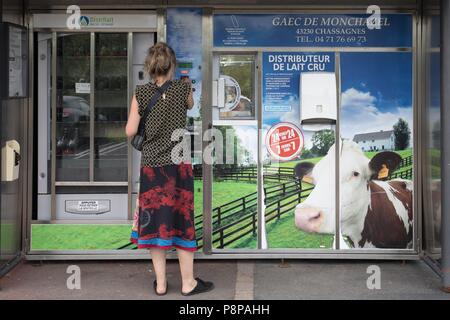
[(260, 181), (113, 21), (161, 24), (143, 255), (44, 52), (207, 124), (141, 43), (235, 4), (306, 49), (430, 141), (417, 143), (337, 139), (12, 126), (445, 134), (28, 197), (44, 207), (92, 109), (116, 206), (294, 4), (96, 4), (53, 127), (130, 54)]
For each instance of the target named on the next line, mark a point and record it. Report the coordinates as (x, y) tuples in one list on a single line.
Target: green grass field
[(112, 236), (79, 236), (282, 233)]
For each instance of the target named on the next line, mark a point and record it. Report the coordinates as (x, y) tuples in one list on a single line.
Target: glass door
[(235, 132), (299, 103), (73, 107), (82, 148), (111, 107), (90, 141)]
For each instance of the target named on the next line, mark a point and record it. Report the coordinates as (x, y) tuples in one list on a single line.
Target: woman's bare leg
[(159, 265), (186, 259)]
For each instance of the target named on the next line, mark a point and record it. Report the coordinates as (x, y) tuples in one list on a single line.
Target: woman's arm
[(133, 119), (190, 100)]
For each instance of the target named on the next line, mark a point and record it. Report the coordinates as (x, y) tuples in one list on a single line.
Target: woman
[(165, 217)]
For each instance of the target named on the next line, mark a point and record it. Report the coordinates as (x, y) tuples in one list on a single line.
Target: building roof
[(379, 135)]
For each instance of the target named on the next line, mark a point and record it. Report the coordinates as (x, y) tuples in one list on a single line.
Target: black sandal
[(157, 293), (202, 286)]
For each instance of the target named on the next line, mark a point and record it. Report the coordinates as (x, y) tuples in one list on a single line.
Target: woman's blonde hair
[(160, 60)]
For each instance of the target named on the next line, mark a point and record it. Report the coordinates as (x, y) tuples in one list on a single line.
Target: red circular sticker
[(284, 141)]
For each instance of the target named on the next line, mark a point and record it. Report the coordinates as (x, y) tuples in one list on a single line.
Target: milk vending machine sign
[(314, 76)]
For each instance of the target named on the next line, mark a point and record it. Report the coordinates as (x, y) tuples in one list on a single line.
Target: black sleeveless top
[(166, 116)]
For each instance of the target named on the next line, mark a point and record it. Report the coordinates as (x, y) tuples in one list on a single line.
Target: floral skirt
[(164, 217)]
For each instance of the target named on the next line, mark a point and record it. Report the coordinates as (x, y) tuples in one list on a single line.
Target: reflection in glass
[(111, 98), (72, 107), (238, 73), (432, 185)]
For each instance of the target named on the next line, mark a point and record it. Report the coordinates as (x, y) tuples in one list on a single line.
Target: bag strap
[(153, 100)]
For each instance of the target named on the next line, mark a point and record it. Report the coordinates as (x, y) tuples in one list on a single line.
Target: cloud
[(359, 114)]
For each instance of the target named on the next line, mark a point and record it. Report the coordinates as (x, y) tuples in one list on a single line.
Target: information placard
[(14, 61), (311, 30), (16, 66)]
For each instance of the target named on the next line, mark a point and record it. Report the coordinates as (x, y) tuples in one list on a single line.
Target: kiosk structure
[(282, 94)]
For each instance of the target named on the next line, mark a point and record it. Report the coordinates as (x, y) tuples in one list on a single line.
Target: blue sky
[(376, 91), (388, 76)]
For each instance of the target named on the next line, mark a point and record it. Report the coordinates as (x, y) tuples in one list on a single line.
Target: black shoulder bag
[(138, 140)]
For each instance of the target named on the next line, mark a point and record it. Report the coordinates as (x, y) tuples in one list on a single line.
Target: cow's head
[(317, 212)]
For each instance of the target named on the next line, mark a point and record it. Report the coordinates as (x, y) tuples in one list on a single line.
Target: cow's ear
[(302, 169), (383, 164)]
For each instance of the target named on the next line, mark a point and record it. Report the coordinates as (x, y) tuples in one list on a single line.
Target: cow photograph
[(376, 151), (375, 212)]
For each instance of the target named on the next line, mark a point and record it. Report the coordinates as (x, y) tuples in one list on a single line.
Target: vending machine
[(87, 170)]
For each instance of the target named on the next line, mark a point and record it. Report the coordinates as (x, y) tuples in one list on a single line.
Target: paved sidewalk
[(262, 279)]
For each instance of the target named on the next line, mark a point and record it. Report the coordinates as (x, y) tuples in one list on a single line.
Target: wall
[(377, 144), (12, 115)]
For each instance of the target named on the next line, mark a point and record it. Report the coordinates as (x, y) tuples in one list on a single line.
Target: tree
[(322, 141), (402, 134)]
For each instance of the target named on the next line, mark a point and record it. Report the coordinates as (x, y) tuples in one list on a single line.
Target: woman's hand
[(133, 119)]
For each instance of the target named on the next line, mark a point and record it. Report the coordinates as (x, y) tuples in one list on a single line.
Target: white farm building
[(375, 141)]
